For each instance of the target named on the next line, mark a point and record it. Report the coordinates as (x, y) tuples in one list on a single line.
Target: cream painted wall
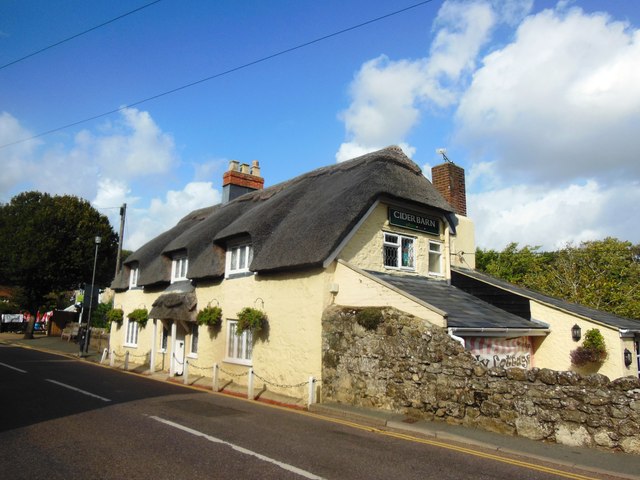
[(463, 244), (356, 289), (289, 354), (365, 249), (129, 301), (553, 352)]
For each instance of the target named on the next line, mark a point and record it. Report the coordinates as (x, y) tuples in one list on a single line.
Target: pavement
[(594, 460)]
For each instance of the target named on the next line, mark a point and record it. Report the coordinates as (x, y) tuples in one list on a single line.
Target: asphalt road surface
[(65, 419)]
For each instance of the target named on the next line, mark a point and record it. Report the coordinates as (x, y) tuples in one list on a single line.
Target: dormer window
[(133, 277), (179, 267), (239, 258)]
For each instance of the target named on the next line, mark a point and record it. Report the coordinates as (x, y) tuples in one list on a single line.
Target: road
[(62, 418)]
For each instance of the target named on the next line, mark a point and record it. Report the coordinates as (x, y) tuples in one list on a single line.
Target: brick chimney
[(240, 179), (448, 178)]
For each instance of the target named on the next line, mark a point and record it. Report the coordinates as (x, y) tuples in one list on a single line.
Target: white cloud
[(552, 217), (162, 214), (16, 160), (560, 102), (387, 96)]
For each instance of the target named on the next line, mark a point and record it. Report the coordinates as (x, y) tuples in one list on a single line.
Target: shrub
[(369, 317), (115, 315), (210, 316), (251, 319), (592, 350), (139, 315)]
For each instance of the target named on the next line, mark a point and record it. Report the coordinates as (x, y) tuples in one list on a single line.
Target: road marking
[(78, 390), (13, 368), (237, 448)]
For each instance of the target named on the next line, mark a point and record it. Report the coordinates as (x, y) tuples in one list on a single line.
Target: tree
[(47, 243), (603, 274)]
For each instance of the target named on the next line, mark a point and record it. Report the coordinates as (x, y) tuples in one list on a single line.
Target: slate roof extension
[(606, 318), (463, 310)]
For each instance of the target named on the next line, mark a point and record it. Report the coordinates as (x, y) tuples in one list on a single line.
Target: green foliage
[(99, 314), (139, 315), (369, 317), (115, 315), (593, 349), (47, 243), (251, 319), (603, 274), (210, 316)]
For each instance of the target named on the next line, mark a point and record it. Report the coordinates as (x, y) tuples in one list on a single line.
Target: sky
[(539, 102)]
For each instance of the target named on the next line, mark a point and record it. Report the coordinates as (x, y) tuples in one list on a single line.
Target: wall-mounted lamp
[(255, 302), (628, 357), (576, 332)]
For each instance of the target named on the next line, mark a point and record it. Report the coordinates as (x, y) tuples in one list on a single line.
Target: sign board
[(414, 221), (501, 352)]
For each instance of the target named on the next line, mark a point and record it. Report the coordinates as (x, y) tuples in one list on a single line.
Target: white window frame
[(386, 243), (133, 277), (164, 339), (131, 333), (238, 258), (438, 252), (238, 348), (179, 268), (195, 334)]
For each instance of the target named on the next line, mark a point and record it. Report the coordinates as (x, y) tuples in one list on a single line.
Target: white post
[(112, 359), (215, 377), (185, 373), (250, 384), (104, 356), (154, 341), (126, 361), (172, 365), (312, 391)]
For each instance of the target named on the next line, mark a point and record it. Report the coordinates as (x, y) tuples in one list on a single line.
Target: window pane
[(391, 238), (407, 252), (194, 339), (390, 256), (242, 259), (234, 259), (435, 258)]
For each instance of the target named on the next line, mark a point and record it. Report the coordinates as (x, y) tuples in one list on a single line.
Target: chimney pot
[(255, 168), (244, 168), (233, 165)]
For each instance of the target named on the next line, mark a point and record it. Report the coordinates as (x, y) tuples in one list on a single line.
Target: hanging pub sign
[(414, 221)]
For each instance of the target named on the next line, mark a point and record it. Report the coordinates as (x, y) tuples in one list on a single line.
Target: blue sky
[(538, 100)]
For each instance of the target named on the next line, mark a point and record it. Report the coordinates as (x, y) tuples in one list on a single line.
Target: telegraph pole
[(123, 214)]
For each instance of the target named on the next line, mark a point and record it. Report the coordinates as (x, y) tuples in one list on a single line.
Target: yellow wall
[(357, 289), (554, 350), (463, 244), (365, 248), (289, 354)]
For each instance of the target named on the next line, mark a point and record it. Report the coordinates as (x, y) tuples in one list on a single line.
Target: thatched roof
[(295, 224), (175, 306)]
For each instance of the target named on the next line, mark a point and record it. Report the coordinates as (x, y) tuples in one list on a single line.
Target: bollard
[(105, 352), (312, 384), (250, 384), (126, 361), (112, 359), (185, 374), (215, 378)]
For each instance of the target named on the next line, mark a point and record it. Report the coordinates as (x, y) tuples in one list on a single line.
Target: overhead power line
[(218, 75), (79, 34)]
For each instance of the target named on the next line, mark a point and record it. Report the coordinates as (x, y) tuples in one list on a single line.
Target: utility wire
[(79, 34), (217, 75)]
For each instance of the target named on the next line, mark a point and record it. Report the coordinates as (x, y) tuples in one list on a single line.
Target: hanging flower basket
[(140, 316), (115, 315), (210, 316), (251, 319), (592, 350)]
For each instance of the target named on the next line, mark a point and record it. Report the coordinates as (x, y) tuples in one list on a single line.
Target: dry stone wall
[(408, 366)]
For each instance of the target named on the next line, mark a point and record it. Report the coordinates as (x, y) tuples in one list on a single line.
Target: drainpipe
[(455, 337)]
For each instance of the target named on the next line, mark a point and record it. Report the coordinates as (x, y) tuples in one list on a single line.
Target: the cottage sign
[(414, 221)]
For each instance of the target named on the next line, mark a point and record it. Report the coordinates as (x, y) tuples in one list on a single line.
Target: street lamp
[(93, 281)]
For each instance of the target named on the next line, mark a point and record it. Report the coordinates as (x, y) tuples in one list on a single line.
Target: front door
[(178, 355)]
